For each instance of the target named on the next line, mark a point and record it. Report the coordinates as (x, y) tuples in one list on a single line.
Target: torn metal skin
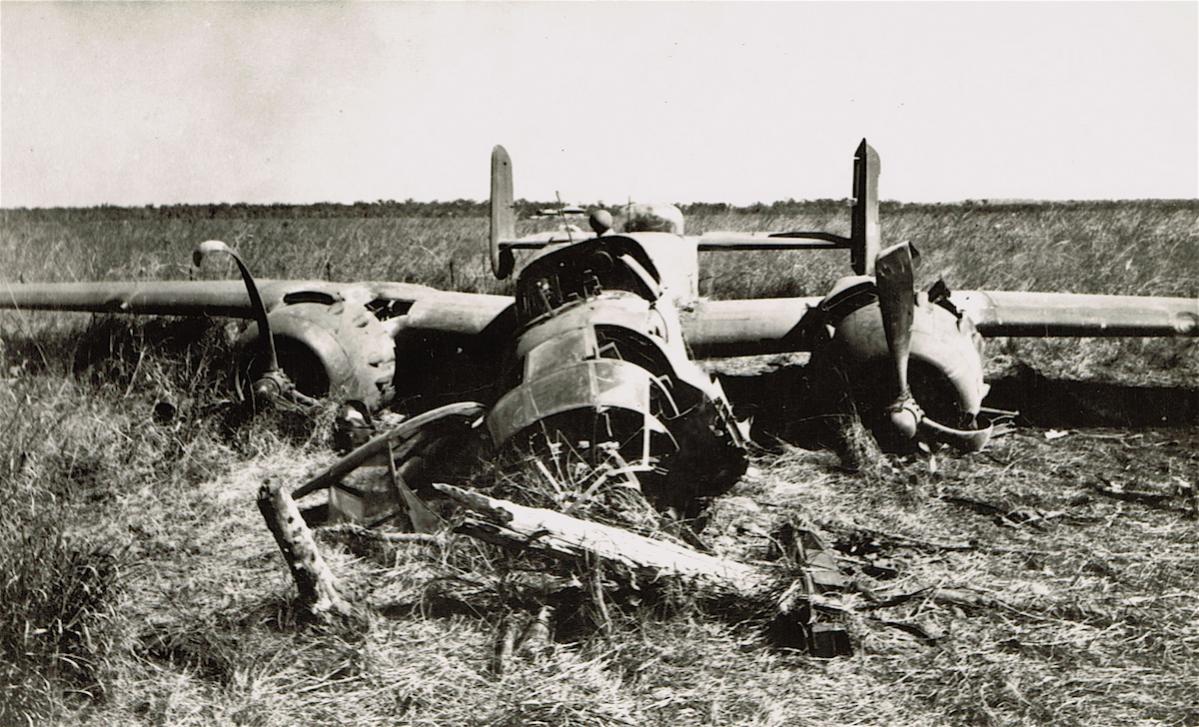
[(600, 378)]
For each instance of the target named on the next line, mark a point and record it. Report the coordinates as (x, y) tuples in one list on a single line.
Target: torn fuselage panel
[(600, 369)]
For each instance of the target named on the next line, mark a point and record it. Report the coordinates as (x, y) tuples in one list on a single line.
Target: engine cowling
[(337, 349), (945, 367)]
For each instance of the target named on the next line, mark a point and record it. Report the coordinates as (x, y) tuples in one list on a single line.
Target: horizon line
[(552, 203)]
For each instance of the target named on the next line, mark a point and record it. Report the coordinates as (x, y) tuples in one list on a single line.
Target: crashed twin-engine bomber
[(585, 382), (589, 368)]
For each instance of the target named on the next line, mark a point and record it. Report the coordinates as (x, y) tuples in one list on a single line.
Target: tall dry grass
[(1134, 248), (138, 585)]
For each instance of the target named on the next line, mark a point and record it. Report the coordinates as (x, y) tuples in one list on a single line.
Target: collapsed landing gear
[(377, 481)]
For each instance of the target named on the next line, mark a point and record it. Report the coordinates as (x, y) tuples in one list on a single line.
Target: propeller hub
[(905, 415), (276, 388), (269, 387)]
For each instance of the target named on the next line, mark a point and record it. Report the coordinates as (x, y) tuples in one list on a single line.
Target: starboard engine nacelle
[(946, 368)]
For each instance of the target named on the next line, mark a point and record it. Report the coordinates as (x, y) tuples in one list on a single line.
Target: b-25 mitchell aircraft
[(591, 360)]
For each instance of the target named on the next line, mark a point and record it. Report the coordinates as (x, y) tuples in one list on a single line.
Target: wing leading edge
[(1011, 313), (176, 297), (715, 328), (422, 308)]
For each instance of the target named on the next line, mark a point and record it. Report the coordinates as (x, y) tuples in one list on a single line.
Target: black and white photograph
[(589, 364)]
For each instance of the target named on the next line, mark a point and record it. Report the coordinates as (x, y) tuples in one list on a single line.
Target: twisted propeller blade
[(967, 440), (897, 302), (267, 345)]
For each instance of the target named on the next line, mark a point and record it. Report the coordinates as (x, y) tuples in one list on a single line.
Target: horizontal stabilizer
[(772, 241), (863, 242), (538, 240)]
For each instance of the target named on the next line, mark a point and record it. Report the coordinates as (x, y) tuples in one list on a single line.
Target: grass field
[(139, 585)]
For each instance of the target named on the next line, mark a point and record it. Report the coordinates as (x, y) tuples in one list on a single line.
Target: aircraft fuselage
[(600, 374)]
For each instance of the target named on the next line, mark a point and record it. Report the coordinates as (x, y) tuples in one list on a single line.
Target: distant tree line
[(465, 208)]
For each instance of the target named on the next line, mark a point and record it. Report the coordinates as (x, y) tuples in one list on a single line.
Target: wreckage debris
[(792, 618), (805, 600), (319, 596), (802, 604)]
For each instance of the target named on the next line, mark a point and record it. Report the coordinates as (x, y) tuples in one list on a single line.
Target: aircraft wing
[(1010, 313), (167, 297), (712, 328), (420, 307), (715, 328)]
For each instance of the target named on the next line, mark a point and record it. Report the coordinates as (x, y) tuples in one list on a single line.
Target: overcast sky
[(137, 104)]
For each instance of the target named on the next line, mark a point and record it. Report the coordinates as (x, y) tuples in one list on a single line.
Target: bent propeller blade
[(897, 303)]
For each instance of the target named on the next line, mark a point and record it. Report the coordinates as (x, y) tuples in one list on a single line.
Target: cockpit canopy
[(584, 270)]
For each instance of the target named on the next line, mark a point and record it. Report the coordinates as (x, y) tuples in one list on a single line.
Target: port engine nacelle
[(337, 349)]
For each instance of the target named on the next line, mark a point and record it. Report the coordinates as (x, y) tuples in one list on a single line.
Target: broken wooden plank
[(319, 596), (507, 523), (791, 603)]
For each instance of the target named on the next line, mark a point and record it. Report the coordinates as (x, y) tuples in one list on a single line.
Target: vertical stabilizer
[(865, 234), (503, 216)]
